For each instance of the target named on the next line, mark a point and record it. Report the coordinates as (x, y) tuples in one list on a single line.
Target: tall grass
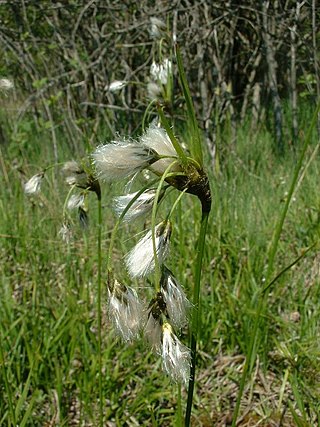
[(49, 354)]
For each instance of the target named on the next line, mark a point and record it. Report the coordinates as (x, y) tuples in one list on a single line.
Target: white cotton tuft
[(125, 311), (177, 303), (140, 260), (33, 186), (76, 201), (121, 159), (158, 140), (140, 207), (176, 357)]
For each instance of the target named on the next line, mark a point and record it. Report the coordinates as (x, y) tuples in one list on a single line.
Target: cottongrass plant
[(6, 85), (158, 152)]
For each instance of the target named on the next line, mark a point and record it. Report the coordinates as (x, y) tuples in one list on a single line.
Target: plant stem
[(253, 344), (196, 312), (99, 311)]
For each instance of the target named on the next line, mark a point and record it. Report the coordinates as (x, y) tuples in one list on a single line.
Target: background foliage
[(253, 70)]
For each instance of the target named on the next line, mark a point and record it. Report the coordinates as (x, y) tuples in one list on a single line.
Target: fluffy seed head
[(121, 159), (6, 85), (160, 72), (156, 28), (125, 310), (33, 186), (175, 356), (158, 140), (140, 207), (65, 232), (116, 85), (75, 201), (140, 260), (175, 299)]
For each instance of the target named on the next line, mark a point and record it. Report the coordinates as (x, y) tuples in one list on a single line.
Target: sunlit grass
[(49, 347)]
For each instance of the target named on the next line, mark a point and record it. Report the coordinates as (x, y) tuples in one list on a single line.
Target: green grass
[(48, 329)]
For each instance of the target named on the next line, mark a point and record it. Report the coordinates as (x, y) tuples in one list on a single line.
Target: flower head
[(75, 201), (156, 28), (65, 232), (175, 356), (125, 310), (140, 207), (33, 186), (177, 304), (140, 260), (158, 140), (116, 85), (161, 72), (122, 159), (6, 85)]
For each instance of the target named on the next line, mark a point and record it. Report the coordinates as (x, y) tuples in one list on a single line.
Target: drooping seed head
[(176, 301), (158, 140), (33, 186), (140, 260), (156, 28), (140, 207), (65, 232), (122, 159), (161, 72), (115, 86), (125, 310), (75, 201), (6, 85), (176, 357)]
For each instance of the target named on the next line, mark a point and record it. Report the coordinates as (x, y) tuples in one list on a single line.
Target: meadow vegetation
[(87, 73), (48, 352)]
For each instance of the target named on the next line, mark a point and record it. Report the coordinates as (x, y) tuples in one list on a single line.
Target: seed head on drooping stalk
[(125, 310)]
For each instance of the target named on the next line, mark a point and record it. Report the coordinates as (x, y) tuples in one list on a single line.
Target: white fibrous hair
[(65, 233), (177, 303), (161, 72), (156, 28), (175, 356), (157, 139), (6, 85), (76, 201), (33, 186), (140, 260), (153, 332), (140, 207), (115, 85), (121, 159), (125, 311)]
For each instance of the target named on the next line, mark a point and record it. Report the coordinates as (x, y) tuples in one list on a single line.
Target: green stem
[(99, 311), (253, 344), (196, 312), (179, 408)]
